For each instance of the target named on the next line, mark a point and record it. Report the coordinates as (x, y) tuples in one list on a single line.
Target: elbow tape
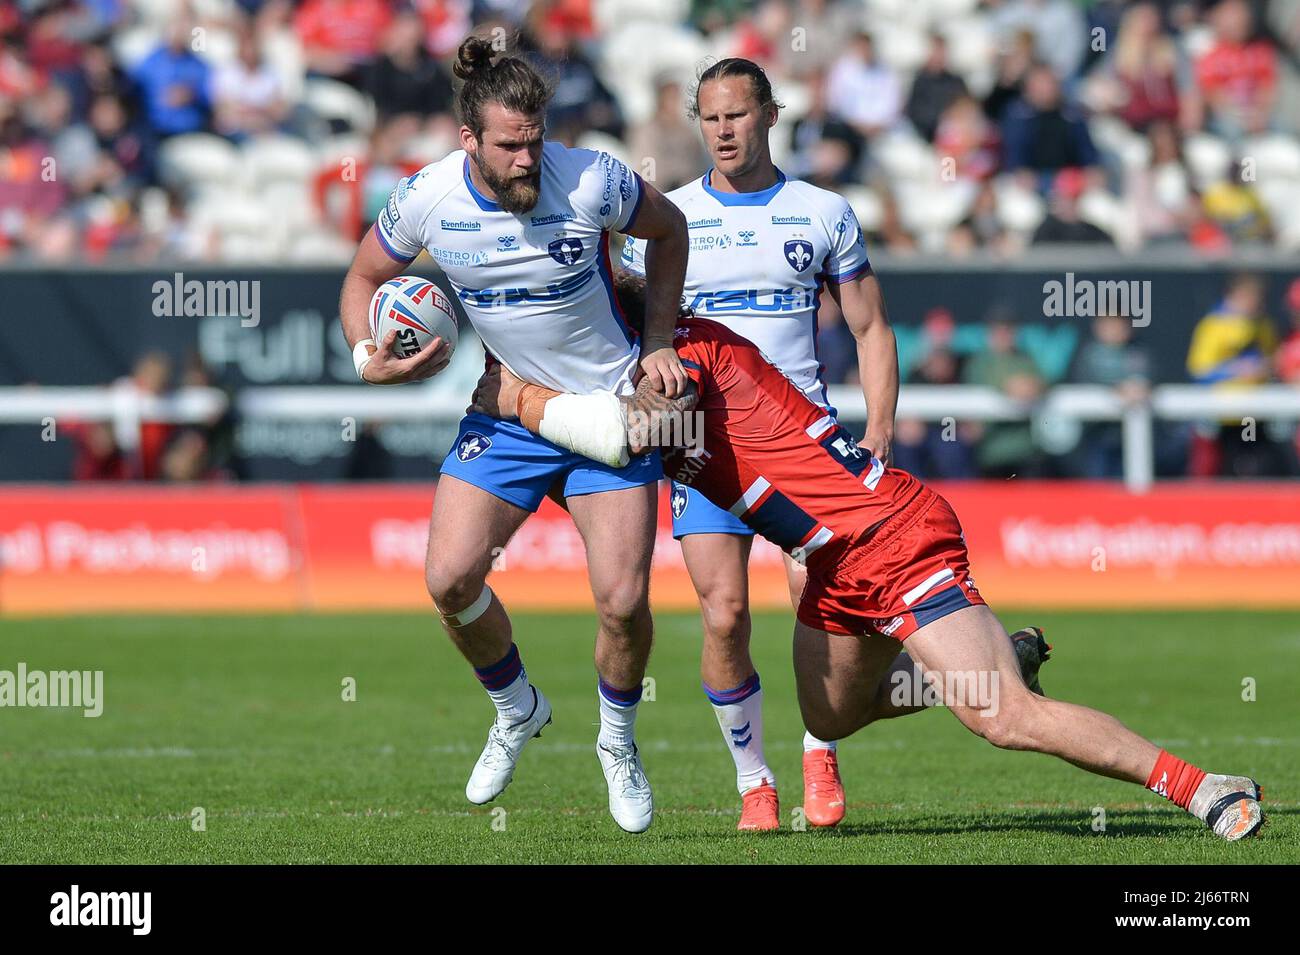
[(590, 425)]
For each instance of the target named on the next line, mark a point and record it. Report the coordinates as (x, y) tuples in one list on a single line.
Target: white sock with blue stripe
[(617, 715), (740, 716)]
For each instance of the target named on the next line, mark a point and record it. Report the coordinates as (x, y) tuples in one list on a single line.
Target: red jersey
[(780, 463)]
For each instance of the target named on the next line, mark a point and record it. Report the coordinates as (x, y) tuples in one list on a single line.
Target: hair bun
[(473, 56)]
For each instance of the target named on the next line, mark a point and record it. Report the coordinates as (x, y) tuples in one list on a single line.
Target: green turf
[(243, 717)]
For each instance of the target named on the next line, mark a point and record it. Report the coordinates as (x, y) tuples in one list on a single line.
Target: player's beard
[(515, 194)]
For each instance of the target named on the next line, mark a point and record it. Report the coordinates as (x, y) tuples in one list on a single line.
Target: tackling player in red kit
[(886, 563), (795, 475)]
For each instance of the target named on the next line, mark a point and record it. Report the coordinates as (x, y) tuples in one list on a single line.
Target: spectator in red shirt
[(340, 36), (1137, 82), (97, 457), (1237, 76)]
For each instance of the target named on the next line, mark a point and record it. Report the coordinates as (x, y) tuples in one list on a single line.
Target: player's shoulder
[(573, 163), (592, 176), (828, 206), (688, 193), (430, 184)]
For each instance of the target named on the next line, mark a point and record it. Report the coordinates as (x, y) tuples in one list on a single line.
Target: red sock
[(1175, 780)]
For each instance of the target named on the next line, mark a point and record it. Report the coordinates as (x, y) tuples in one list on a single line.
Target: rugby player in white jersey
[(521, 228), (762, 249)]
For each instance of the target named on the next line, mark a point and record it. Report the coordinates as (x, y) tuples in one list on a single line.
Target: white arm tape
[(594, 426), (361, 356)]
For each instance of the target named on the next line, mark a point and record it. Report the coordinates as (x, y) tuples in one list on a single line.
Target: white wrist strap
[(361, 355), (591, 425), (471, 613)]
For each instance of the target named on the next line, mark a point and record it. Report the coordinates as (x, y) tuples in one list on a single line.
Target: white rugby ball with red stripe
[(417, 310)]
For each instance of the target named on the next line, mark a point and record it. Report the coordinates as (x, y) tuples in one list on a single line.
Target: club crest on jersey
[(799, 253), (678, 501), (566, 251), (472, 446)]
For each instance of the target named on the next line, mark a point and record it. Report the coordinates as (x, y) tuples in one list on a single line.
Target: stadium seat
[(943, 11), (902, 46), (283, 52), (930, 210), (1107, 213), (602, 142), (1208, 158), (1116, 137), (220, 46), (972, 50), (155, 13), (906, 157), (796, 98), (866, 205), (277, 158), (319, 246), (251, 248), (291, 200), (635, 54), (338, 102), (132, 44), (1019, 210), (1276, 156), (197, 160), (1282, 199), (430, 147), (610, 14), (334, 149), (233, 213)]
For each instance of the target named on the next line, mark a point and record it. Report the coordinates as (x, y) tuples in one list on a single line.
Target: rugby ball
[(417, 310)]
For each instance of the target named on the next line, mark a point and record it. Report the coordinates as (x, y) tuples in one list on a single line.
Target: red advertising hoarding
[(290, 547)]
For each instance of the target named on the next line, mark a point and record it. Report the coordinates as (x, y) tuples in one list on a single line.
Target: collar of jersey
[(743, 198), (484, 203)]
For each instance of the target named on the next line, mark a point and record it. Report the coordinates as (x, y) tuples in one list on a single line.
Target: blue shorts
[(507, 460), (693, 513)]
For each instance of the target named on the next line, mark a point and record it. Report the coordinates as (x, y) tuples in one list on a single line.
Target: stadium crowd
[(268, 129), (261, 131)]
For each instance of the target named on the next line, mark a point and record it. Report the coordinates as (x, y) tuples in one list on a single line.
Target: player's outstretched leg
[(618, 530), (968, 651), (467, 527), (901, 692), (718, 565), (820, 660)]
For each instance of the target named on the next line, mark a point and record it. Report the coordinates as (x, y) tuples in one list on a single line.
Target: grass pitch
[(243, 718)]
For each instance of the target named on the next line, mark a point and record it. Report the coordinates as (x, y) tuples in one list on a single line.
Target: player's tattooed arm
[(654, 419)]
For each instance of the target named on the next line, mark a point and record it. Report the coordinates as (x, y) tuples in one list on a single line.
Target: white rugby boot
[(630, 801), (496, 765), (1229, 805)]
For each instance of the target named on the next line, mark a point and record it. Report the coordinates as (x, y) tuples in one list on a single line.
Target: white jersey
[(537, 287), (758, 261)]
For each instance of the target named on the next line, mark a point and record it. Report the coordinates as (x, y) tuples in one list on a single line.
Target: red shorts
[(910, 572)]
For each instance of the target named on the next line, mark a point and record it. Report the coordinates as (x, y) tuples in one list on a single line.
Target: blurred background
[(988, 147)]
